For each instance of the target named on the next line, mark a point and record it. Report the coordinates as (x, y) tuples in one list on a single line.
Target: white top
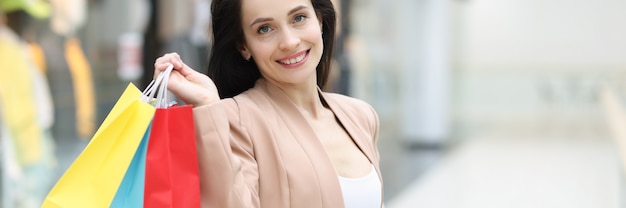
[(363, 192)]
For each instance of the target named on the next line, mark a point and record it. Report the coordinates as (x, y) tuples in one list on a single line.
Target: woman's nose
[(289, 40)]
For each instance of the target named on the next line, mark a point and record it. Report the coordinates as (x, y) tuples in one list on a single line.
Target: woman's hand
[(190, 86)]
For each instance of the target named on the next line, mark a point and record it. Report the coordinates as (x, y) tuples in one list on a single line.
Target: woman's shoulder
[(248, 104), (353, 107), (345, 101), (358, 111), (251, 99)]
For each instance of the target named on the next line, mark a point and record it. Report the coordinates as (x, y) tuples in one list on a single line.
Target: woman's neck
[(305, 96)]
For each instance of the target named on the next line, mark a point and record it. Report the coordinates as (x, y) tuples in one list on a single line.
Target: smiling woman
[(268, 136), (283, 40)]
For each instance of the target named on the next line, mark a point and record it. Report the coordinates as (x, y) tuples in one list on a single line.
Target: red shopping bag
[(172, 163)]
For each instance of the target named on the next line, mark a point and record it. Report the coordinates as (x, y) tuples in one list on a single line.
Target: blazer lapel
[(305, 136), (294, 117), (350, 126)]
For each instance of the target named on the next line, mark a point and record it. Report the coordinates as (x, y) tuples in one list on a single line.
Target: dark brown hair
[(231, 73)]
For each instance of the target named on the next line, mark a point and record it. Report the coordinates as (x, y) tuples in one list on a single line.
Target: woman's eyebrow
[(262, 19), (294, 10), (265, 19)]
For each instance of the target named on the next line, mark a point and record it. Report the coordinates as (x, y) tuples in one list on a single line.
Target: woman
[(267, 135)]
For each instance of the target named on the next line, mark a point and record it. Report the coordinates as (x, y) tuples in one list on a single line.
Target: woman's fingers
[(172, 58), (189, 85), (165, 61)]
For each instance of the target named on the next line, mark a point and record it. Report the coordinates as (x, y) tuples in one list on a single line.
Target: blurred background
[(482, 103)]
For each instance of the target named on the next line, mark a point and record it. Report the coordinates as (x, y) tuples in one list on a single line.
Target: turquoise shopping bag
[(130, 192)]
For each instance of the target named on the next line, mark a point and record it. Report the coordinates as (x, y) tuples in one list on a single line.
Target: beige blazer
[(258, 150)]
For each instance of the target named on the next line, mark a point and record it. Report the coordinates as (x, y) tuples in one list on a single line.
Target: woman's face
[(284, 38)]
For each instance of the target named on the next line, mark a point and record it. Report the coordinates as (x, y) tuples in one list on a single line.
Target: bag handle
[(159, 84), (161, 100)]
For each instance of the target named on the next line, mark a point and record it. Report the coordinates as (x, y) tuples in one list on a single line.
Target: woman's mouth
[(294, 59)]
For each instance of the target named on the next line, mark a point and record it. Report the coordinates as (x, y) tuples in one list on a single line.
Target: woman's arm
[(228, 169)]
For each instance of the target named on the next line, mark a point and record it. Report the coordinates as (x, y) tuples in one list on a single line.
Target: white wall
[(529, 59), (538, 32)]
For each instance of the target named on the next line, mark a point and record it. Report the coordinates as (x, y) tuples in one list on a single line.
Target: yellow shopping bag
[(92, 180)]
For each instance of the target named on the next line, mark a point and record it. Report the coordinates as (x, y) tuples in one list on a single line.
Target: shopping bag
[(130, 192), (94, 177), (172, 163)]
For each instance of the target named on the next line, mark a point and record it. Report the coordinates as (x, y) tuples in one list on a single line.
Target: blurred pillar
[(341, 83), (152, 44), (425, 69)]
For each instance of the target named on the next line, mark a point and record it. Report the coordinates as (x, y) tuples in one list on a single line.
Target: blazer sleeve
[(374, 124), (228, 169)]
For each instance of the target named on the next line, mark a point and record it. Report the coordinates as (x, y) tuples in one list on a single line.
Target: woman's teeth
[(293, 60)]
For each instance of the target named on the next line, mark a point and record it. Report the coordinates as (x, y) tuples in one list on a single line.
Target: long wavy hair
[(230, 72)]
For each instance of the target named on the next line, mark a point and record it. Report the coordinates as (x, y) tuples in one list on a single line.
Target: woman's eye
[(264, 29), (299, 18)]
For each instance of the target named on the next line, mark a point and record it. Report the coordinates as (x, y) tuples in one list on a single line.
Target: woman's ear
[(245, 52)]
